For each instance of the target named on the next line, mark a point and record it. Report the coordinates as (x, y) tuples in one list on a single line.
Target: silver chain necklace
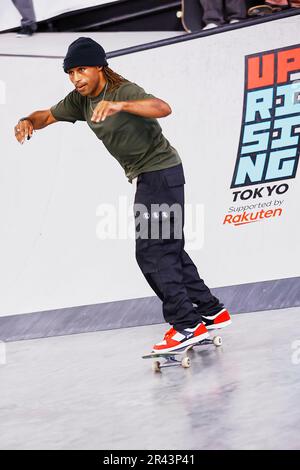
[(93, 109)]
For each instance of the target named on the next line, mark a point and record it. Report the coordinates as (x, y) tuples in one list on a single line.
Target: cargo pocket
[(174, 190), (175, 179), (174, 187)]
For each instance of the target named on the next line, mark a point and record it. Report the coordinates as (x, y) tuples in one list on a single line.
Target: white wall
[(10, 17), (51, 187)]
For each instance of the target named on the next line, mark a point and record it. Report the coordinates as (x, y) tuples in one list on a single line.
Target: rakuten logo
[(250, 217)]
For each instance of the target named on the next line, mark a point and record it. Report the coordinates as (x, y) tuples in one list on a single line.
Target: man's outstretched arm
[(37, 120)]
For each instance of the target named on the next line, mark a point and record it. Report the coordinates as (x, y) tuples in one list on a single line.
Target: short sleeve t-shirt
[(136, 142)]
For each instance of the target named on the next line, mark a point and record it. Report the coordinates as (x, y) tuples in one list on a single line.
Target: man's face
[(85, 79)]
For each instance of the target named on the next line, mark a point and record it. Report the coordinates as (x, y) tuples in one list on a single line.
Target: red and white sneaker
[(219, 320), (176, 340)]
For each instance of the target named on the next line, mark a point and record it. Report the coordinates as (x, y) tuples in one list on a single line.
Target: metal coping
[(177, 39)]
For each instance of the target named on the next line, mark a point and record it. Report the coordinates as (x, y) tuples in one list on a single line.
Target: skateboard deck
[(191, 15), (170, 357), (261, 10)]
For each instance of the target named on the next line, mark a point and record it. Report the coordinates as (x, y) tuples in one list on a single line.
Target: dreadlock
[(114, 79)]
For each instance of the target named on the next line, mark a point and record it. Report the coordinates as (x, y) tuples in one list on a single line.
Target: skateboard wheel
[(156, 366), (217, 341), (179, 14), (186, 362)]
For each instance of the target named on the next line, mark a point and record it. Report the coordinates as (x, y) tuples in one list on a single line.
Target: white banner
[(65, 204)]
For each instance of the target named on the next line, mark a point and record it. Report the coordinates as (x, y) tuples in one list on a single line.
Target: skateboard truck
[(185, 361)]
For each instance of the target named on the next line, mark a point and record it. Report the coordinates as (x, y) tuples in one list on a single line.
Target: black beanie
[(84, 51)]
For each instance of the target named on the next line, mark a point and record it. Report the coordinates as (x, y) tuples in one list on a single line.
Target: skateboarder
[(124, 117)]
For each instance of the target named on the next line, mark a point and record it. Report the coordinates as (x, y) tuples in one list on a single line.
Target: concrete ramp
[(93, 391)]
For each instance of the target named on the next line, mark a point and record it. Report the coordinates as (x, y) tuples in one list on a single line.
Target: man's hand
[(106, 108), (23, 131)]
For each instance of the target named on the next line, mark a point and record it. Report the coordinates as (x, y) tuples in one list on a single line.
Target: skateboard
[(191, 15), (262, 10), (184, 361)]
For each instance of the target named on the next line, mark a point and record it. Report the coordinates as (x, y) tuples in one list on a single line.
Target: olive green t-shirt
[(136, 142)]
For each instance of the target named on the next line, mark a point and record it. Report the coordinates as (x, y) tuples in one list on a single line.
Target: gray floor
[(76, 392)]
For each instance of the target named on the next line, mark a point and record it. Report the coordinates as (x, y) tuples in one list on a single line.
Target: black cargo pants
[(159, 221)]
